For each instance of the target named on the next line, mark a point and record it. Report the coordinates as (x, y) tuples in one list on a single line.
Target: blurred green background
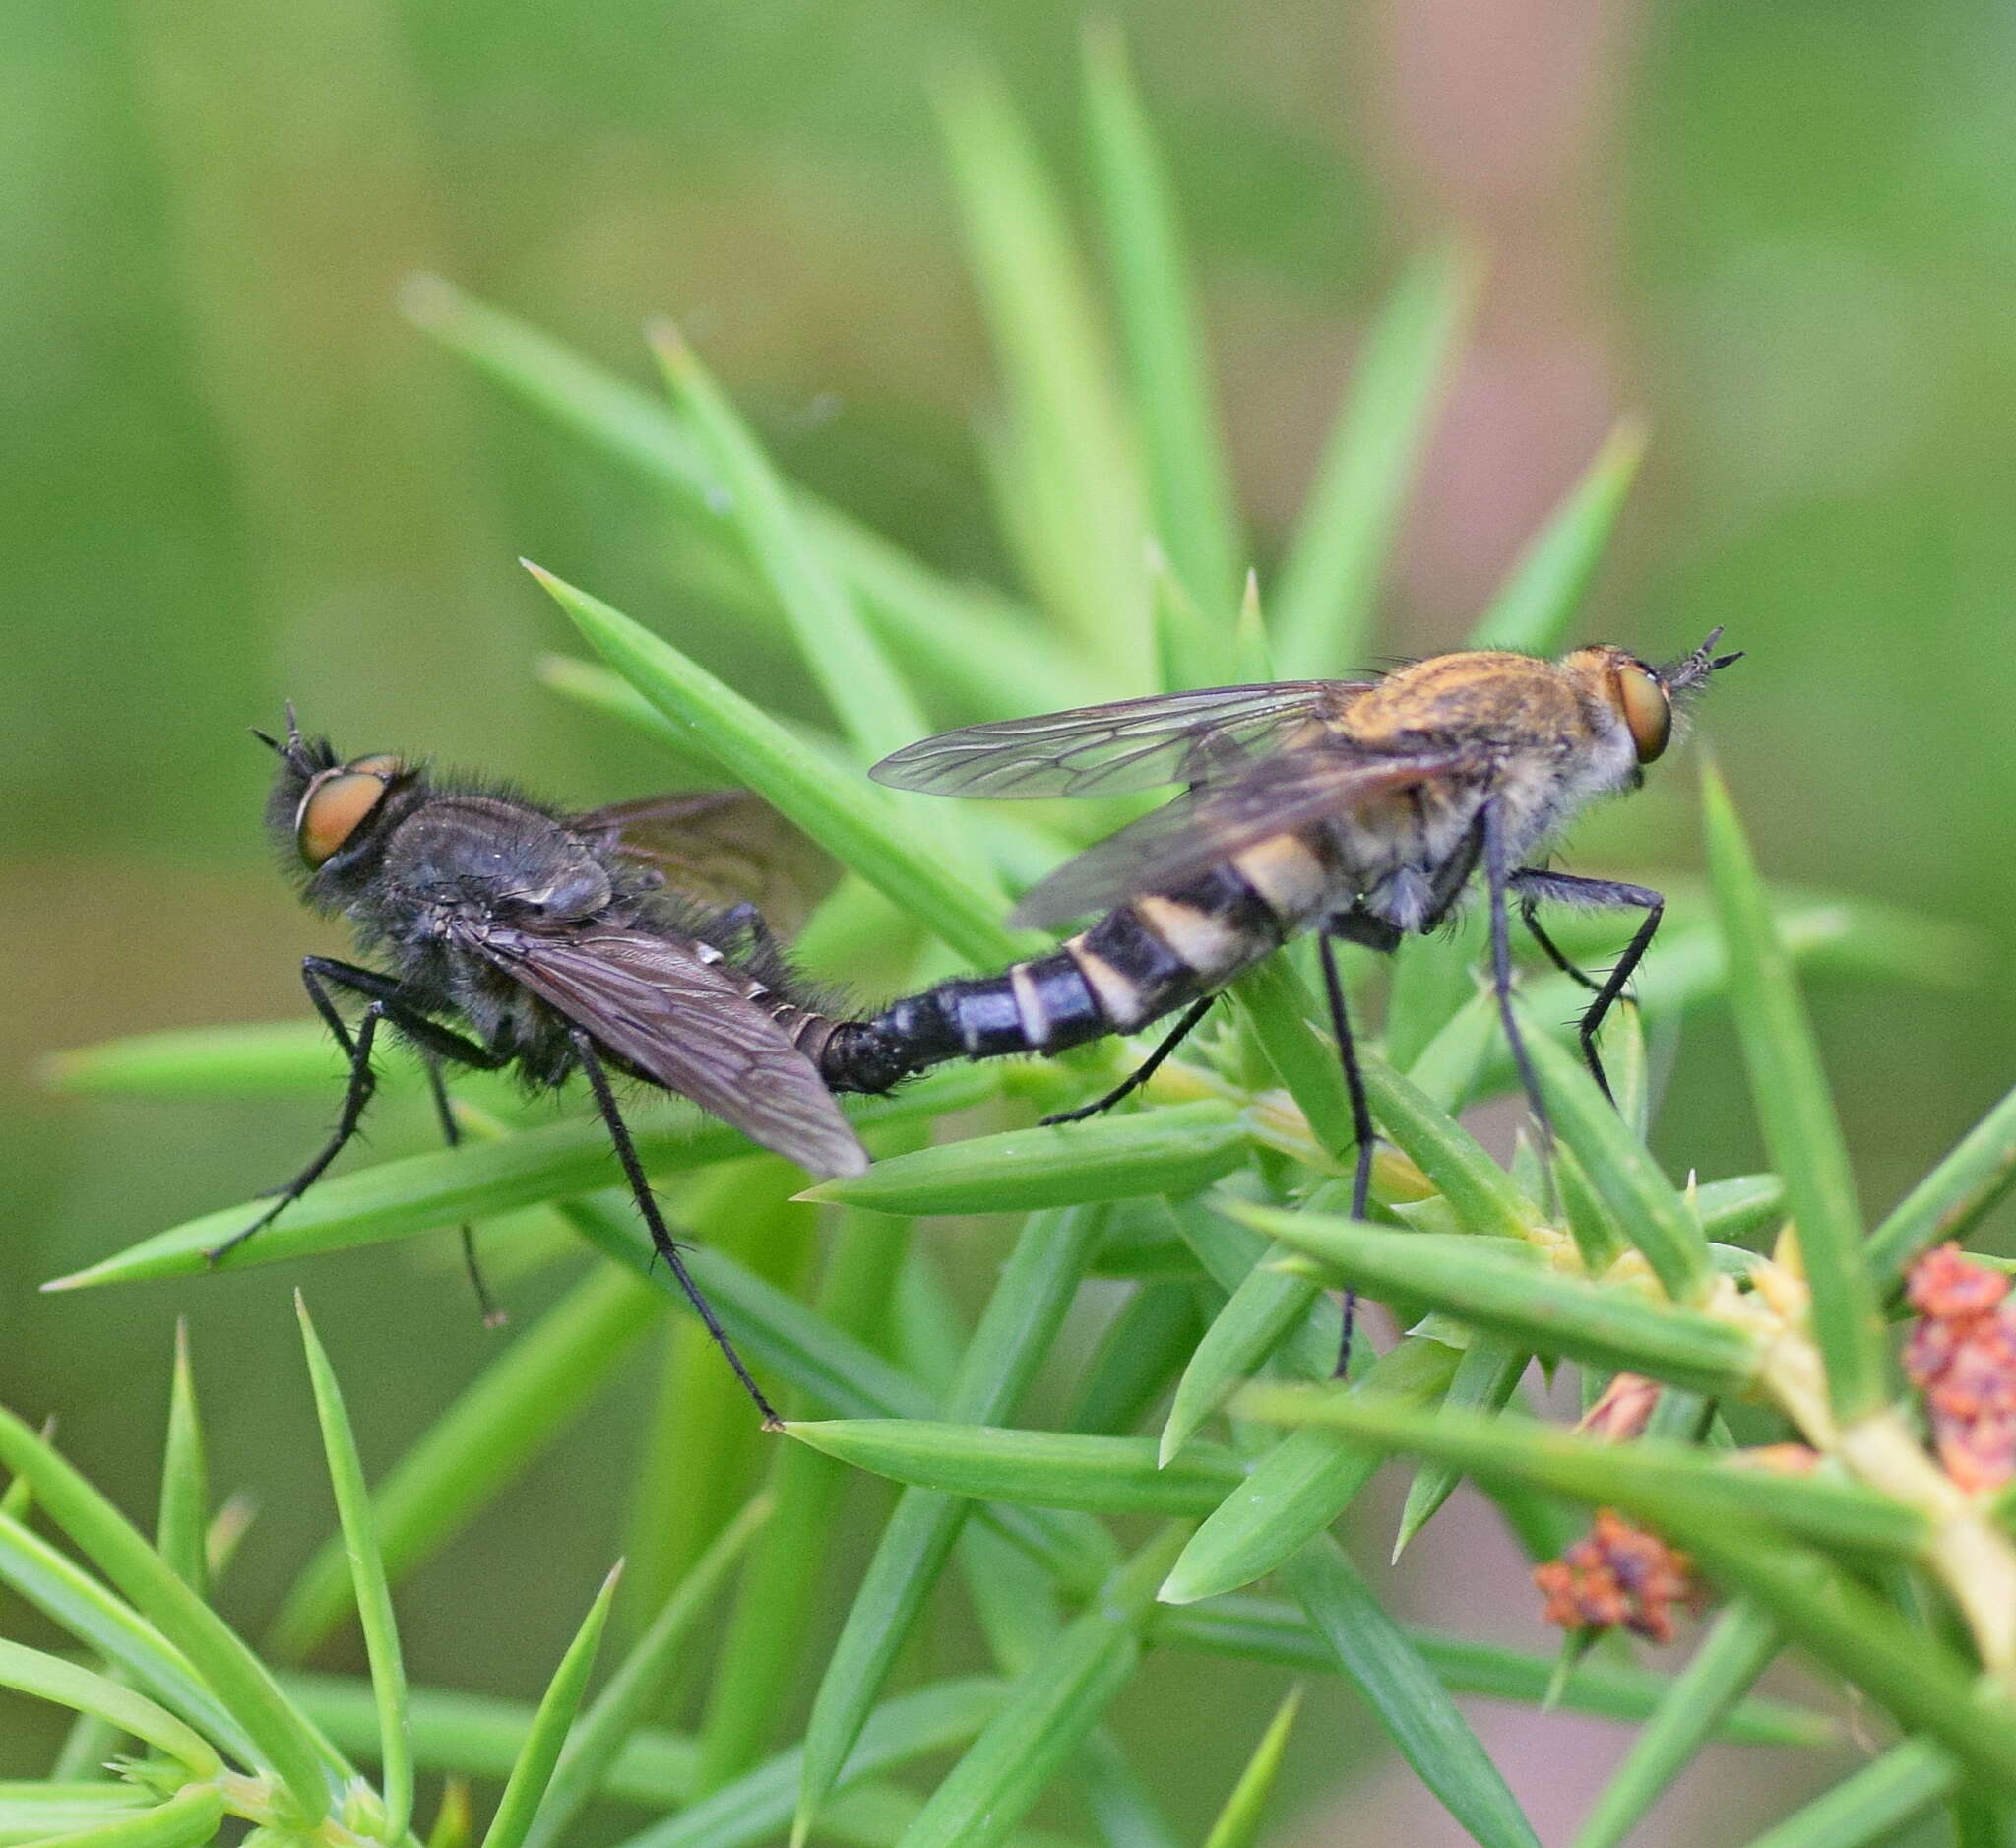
[(233, 473)]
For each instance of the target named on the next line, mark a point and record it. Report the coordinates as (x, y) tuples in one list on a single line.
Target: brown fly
[(1362, 809)]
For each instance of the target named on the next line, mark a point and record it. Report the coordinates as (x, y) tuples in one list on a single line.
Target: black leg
[(356, 1094), (1193, 1015), (1360, 1119), (451, 1133), (1498, 873), (1554, 953), (1567, 888), (410, 1022), (434, 1042), (647, 1205)]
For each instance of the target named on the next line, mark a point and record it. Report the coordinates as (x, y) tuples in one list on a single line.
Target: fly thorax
[(1540, 799)]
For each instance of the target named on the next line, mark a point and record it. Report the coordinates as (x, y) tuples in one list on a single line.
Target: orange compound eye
[(334, 808), (379, 764), (1646, 710)]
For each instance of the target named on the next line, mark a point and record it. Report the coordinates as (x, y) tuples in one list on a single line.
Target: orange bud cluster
[(1961, 1355), (1618, 1575)]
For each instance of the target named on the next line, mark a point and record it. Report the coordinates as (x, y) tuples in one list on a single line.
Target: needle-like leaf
[(1071, 442), (1544, 590), (1238, 1823), (855, 820), (1161, 342), (526, 1790), (232, 1674), (478, 1446), (1321, 613), (1179, 1149), (1797, 1110), (182, 1526), (1023, 1315), (1503, 1285), (368, 1583)]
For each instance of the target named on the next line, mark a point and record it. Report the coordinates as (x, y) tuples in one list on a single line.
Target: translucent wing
[(687, 1025), (725, 847), (1127, 744), (1187, 838)]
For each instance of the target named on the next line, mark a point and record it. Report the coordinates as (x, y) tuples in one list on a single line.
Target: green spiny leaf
[(1046, 1468), (856, 821), (1485, 1377), (1642, 1476), (1177, 1149), (481, 1444), (1160, 341), (1321, 614), (1399, 1688), (1036, 1287), (638, 1688), (1047, 1716), (1504, 1286), (524, 1793), (420, 1192), (1544, 588), (1872, 1804), (1797, 1115), (368, 1581), (1645, 1207), (50, 1678), (1738, 1647), (184, 1518), (1977, 1172), (1267, 1629), (231, 1673), (1301, 1485), (1239, 1823), (1067, 430)]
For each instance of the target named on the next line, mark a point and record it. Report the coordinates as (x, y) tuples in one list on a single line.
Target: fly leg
[(357, 1095), (745, 920), (1193, 1017), (436, 1041), (451, 1133), (1535, 885), (647, 1205), (1354, 926), (1498, 875)]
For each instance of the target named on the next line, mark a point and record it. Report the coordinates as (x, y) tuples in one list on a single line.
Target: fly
[(607, 943), (1361, 810)]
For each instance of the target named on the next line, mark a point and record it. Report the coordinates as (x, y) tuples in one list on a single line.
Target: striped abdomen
[(1144, 958)]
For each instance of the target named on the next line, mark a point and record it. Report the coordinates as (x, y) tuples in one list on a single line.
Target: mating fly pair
[(610, 941)]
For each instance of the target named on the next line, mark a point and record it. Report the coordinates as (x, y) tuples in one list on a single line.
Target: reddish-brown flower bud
[(1618, 1575), (1961, 1355), (1623, 1409)]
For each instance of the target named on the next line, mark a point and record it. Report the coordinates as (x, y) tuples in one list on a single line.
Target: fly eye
[(1646, 710), (382, 764), (335, 806)]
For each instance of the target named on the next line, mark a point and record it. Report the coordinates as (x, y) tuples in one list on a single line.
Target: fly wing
[(1127, 744), (725, 847), (1187, 838), (688, 1026)]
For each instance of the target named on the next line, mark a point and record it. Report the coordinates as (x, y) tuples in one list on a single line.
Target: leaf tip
[(426, 300), (668, 343)]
